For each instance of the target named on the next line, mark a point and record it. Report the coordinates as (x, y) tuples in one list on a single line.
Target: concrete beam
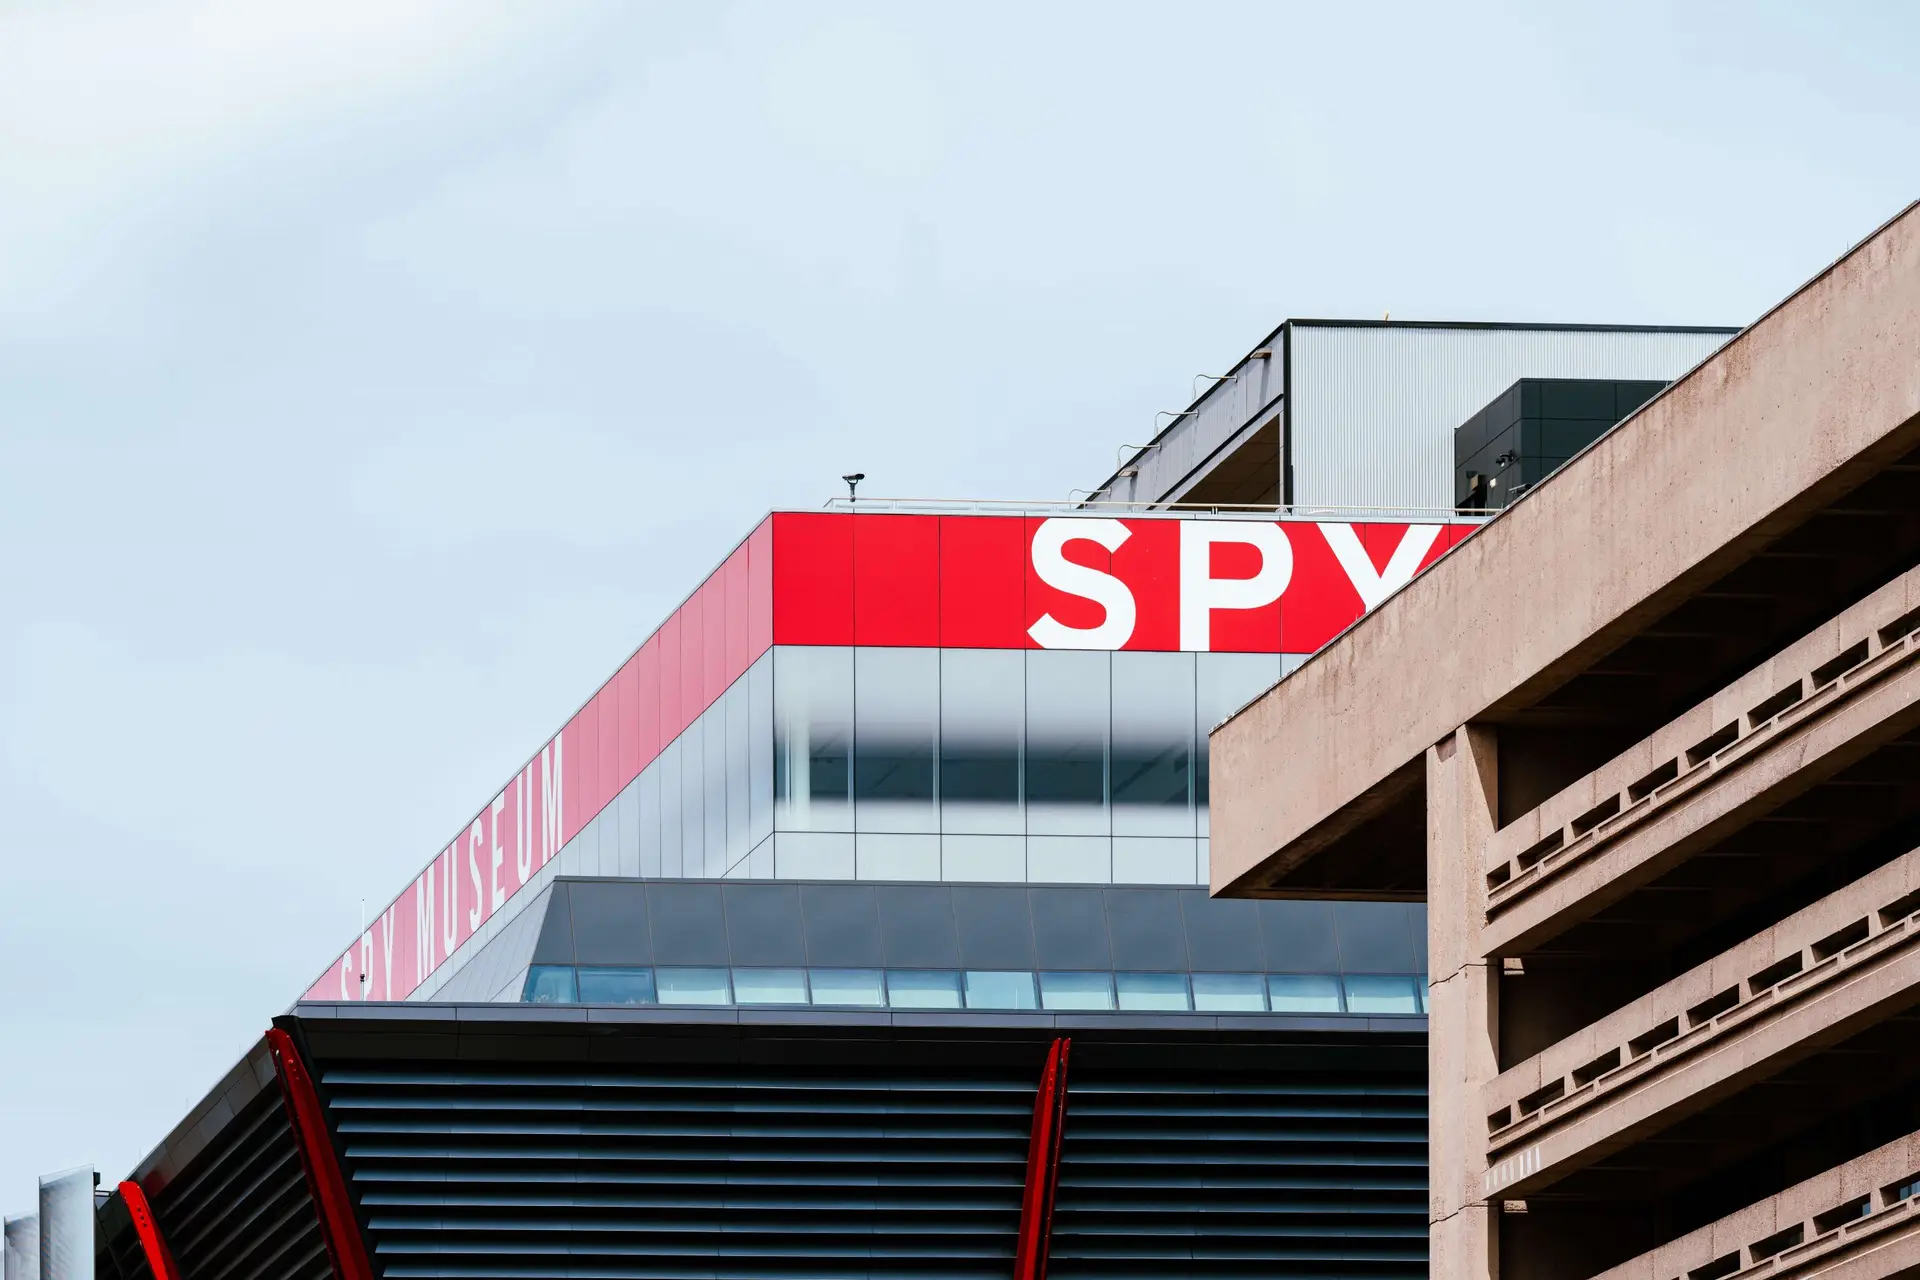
[(1544, 874), (1814, 397), (1719, 1016), (1710, 1033), (1858, 1220)]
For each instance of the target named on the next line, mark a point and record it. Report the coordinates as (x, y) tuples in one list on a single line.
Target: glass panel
[(864, 988), (1152, 859), (923, 989), (669, 766), (1153, 745), (1069, 696), (982, 717), (813, 738), (1382, 993), (896, 726), (739, 736), (897, 857), (650, 820), (1161, 991), (550, 984), (616, 986), (1076, 990), (1229, 993), (693, 986), (1070, 859), (1000, 859), (760, 749), (1304, 992), (770, 986), (1000, 989), (813, 855), (1223, 683)]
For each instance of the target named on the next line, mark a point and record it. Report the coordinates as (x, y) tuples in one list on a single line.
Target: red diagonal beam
[(147, 1228), (1043, 1166), (338, 1226)]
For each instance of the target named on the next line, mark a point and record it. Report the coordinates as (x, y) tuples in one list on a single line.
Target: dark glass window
[(610, 924), (1068, 712), (896, 727), (982, 713), (1153, 743), (813, 738), (842, 925), (763, 924), (1070, 928), (993, 927), (689, 924), (916, 926)]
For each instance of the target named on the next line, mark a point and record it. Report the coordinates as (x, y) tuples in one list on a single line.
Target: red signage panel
[(837, 578)]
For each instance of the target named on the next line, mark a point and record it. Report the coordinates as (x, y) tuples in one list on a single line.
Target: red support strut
[(147, 1228), (346, 1250), (1043, 1166)]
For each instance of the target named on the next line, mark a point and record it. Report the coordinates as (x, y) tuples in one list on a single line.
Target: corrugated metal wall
[(1374, 407)]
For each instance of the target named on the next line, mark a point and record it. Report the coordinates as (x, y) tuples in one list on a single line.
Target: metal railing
[(1056, 506)]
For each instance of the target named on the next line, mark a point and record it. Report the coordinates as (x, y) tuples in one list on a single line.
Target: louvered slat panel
[(1292, 1174), (653, 1173), (241, 1210)]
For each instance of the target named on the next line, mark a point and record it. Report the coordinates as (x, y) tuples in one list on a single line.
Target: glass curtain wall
[(827, 762)]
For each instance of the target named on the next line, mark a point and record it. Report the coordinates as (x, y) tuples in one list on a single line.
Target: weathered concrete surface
[(1461, 994), (1816, 395), (1861, 1241)]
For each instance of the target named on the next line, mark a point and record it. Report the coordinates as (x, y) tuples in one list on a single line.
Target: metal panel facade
[(1374, 406), (607, 797)]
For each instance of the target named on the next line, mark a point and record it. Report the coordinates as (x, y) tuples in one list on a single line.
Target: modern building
[(1660, 792), (856, 925)]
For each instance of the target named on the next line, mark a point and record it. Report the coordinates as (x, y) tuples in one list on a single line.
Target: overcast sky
[(374, 377)]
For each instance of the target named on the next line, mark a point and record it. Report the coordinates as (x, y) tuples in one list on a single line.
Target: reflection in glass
[(1076, 990), (1000, 989), (923, 989), (693, 986), (1068, 710), (1303, 992), (896, 729), (813, 738), (1223, 683), (1153, 744), (1229, 993), (616, 986), (982, 719), (1152, 991), (760, 749), (770, 986), (1382, 993), (862, 988), (550, 984)]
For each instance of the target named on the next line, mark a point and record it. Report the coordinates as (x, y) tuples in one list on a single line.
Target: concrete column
[(1462, 1004)]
